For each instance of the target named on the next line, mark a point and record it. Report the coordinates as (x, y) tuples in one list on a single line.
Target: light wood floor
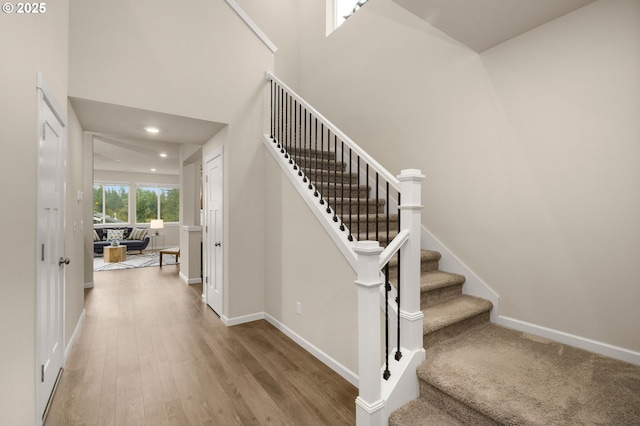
[(151, 352)]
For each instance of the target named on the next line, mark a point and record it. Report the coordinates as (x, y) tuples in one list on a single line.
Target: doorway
[(50, 261), (213, 236)]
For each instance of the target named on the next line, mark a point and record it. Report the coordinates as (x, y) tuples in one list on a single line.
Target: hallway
[(151, 352)]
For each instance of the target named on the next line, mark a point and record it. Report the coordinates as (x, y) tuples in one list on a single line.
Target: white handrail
[(393, 247), (393, 181)]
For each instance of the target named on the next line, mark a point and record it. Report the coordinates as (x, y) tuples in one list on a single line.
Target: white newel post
[(410, 207), (369, 403)]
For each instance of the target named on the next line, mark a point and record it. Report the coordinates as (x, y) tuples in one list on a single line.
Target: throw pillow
[(115, 234), (138, 234), (96, 237)]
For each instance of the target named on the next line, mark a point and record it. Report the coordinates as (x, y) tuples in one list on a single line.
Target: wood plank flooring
[(151, 352)]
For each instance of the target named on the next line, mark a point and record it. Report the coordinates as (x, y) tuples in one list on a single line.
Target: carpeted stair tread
[(517, 378), (438, 279), (453, 311), (419, 412), (425, 257)]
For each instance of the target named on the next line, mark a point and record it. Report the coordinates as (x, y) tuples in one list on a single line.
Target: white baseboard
[(88, 285), (572, 340), (190, 280), (74, 336), (230, 322), (343, 371), (449, 262)]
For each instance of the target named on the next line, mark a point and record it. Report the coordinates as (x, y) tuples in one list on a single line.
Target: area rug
[(133, 261)]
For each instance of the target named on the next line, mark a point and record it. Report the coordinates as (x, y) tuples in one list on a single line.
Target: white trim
[(572, 340), (449, 262), (50, 99), (88, 285), (74, 336), (252, 25), (188, 280), (230, 322), (192, 228)]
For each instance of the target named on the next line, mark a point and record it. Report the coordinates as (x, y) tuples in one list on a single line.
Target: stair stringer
[(473, 285)]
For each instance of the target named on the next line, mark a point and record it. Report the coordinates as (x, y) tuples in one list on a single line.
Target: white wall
[(76, 226), (530, 149), (28, 44), (304, 265), (279, 20)]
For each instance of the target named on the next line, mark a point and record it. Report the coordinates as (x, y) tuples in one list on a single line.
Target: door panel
[(49, 249), (214, 234)]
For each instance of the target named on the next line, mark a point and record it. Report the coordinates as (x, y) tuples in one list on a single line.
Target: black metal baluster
[(368, 198), (335, 178), (350, 237), (398, 353), (304, 153), (280, 117), (310, 149), (377, 216), (295, 135), (342, 187), (358, 200), (315, 153), (387, 287), (301, 150), (321, 164), (326, 189)]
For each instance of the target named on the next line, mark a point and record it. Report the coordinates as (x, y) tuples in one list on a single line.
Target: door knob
[(218, 244), (63, 260)]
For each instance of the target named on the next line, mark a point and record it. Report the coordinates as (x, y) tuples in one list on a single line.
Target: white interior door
[(214, 233), (49, 253)]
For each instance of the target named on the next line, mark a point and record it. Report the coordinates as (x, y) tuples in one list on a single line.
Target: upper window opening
[(343, 9)]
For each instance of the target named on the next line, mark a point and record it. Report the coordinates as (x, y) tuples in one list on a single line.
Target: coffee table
[(114, 254)]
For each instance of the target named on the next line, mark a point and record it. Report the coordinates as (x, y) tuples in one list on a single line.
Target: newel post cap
[(410, 175), (367, 248)]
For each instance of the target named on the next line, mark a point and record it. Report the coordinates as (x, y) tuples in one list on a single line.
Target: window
[(110, 204), (157, 203), (345, 8)]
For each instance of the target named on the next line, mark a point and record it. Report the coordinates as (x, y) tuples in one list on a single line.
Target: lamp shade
[(156, 224)]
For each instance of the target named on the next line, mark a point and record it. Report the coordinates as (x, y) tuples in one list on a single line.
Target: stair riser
[(453, 330), (297, 151), (382, 228), (352, 208), (348, 192), (312, 163), (343, 178), (453, 407), (433, 297)]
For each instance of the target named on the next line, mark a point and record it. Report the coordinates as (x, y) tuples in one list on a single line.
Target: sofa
[(132, 238)]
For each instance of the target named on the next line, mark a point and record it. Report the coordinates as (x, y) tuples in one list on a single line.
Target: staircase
[(474, 369), (476, 372)]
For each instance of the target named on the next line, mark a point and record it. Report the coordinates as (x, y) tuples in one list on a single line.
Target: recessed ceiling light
[(163, 155), (153, 170), (152, 129)]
